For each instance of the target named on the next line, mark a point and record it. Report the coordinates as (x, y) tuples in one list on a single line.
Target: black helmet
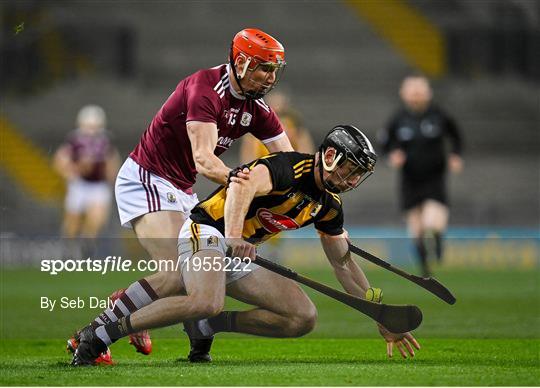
[(352, 145)]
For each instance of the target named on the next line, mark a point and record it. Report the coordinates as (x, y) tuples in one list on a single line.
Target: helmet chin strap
[(331, 167), (242, 75), (236, 76), (328, 168)]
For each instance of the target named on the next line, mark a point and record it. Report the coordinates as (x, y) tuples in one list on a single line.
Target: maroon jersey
[(205, 96), (92, 151)]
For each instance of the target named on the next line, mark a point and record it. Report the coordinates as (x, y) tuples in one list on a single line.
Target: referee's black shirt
[(422, 137)]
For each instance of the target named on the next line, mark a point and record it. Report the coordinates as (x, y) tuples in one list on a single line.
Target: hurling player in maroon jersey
[(88, 162), (200, 120)]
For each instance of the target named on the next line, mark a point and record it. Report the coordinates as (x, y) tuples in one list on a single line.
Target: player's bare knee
[(206, 307), (303, 321), (214, 308), (308, 319)]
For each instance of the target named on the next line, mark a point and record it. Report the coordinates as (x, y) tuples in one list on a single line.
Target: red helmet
[(257, 49), (259, 46)]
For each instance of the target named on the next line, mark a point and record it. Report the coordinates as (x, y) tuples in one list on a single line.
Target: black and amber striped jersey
[(294, 202)]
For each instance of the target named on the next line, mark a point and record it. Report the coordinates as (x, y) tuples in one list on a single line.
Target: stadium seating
[(339, 70)]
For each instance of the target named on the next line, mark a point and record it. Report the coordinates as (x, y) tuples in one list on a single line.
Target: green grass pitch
[(489, 337)]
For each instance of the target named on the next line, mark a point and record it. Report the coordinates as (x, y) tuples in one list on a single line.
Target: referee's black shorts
[(414, 192)]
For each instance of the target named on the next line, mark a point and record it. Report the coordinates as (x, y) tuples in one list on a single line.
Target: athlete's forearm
[(239, 197), (357, 278), (347, 271), (351, 278), (211, 167), (63, 165), (203, 138)]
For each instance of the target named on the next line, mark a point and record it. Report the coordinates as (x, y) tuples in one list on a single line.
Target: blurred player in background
[(89, 164), (291, 120), (414, 140), (200, 120)]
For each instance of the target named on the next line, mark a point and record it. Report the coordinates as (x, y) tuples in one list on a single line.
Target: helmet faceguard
[(259, 51), (354, 159)]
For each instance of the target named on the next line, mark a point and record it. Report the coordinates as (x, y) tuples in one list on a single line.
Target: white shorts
[(138, 192), (82, 194), (195, 237)]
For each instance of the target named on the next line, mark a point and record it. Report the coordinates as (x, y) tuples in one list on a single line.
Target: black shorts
[(414, 192)]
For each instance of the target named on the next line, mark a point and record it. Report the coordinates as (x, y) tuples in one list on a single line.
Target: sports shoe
[(199, 342), (141, 340), (87, 348), (104, 358)]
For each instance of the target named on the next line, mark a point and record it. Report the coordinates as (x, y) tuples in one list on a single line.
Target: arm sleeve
[(456, 139), (269, 128), (332, 222), (281, 170), (202, 103)]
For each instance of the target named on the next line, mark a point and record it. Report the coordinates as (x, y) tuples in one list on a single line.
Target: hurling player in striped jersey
[(286, 190)]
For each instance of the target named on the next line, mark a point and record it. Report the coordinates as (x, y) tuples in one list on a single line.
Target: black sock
[(119, 329), (422, 255), (224, 321), (438, 245)]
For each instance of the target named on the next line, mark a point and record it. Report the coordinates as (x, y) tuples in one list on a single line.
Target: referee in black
[(415, 142)]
